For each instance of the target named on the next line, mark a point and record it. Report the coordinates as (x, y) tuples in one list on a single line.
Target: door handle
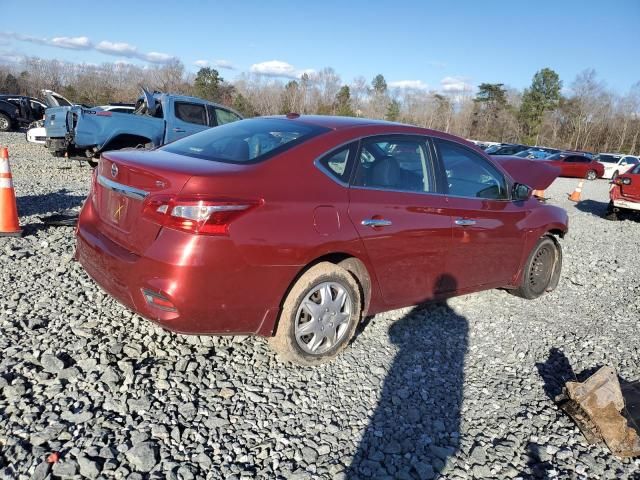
[(179, 130), (376, 222), (464, 222)]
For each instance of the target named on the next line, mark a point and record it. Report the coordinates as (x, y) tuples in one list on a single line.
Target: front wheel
[(5, 123), (319, 316), (615, 175), (542, 270), (592, 175)]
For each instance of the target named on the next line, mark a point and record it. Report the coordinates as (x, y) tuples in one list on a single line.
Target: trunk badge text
[(118, 211), (114, 170), (159, 184)]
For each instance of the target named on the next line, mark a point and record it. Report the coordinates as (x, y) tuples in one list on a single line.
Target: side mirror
[(521, 192)]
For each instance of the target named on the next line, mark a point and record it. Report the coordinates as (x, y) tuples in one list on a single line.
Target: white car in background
[(38, 134), (616, 163)]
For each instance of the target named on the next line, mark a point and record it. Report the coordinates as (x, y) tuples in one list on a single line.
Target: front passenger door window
[(470, 175)]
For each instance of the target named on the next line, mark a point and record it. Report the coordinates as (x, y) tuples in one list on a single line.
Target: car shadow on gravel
[(415, 429), (48, 203)]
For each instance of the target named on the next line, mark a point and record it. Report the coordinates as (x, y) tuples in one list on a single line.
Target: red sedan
[(298, 227), (575, 165), (625, 193)]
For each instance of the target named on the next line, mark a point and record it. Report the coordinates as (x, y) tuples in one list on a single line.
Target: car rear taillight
[(196, 215), (622, 181), (103, 114)]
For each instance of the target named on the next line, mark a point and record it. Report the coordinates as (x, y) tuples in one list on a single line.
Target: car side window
[(470, 175), (336, 164), (225, 116), (394, 163), (191, 113)]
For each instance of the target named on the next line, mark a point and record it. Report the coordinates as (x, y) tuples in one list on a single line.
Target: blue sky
[(439, 45)]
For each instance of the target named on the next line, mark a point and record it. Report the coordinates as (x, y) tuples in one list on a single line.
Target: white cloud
[(226, 64), (118, 49), (455, 84), (278, 68), (74, 43), (10, 56), (409, 84), (274, 68)]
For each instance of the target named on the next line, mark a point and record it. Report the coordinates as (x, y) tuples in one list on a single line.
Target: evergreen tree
[(543, 95), (393, 111), (343, 102), (379, 85), (208, 83)]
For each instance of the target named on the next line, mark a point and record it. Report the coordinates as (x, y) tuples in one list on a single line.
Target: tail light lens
[(196, 215), (622, 181)]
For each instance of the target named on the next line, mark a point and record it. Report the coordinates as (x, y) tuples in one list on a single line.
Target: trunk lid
[(126, 178), (537, 174)]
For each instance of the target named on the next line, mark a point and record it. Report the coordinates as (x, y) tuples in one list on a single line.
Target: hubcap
[(323, 317), (591, 175), (541, 269), (4, 124)]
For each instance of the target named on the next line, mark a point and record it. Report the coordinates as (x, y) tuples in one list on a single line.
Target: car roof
[(336, 122)]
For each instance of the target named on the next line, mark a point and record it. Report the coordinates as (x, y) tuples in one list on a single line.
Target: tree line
[(585, 116)]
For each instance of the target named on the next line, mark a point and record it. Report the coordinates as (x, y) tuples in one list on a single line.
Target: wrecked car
[(18, 111), (624, 194), (37, 133), (159, 118)]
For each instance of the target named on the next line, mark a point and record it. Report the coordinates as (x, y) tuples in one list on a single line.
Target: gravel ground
[(456, 390)]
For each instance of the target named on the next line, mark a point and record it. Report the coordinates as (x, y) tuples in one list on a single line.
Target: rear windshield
[(607, 158), (245, 141)]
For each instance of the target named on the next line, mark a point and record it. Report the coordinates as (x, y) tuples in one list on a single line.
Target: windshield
[(557, 156), (245, 141), (492, 149), (605, 158)]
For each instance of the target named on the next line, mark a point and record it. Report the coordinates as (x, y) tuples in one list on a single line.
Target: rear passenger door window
[(336, 164), (398, 163), (467, 174), (191, 113)]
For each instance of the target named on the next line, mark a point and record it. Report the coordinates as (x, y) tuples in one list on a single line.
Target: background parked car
[(625, 193), (506, 149), (537, 152), (17, 111), (573, 165), (616, 163)]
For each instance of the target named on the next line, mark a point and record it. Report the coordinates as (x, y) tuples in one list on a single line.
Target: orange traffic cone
[(577, 193), (538, 193), (9, 223)]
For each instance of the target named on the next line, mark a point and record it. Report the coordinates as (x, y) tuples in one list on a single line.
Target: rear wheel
[(5, 123), (542, 270), (592, 175), (319, 316), (612, 212)]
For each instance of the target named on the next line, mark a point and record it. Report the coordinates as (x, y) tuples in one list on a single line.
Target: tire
[(612, 212), (5, 123), (542, 270), (591, 175), (321, 285), (614, 175)]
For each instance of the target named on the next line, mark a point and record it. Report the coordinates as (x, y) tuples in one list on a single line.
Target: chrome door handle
[(375, 222), (464, 222)]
